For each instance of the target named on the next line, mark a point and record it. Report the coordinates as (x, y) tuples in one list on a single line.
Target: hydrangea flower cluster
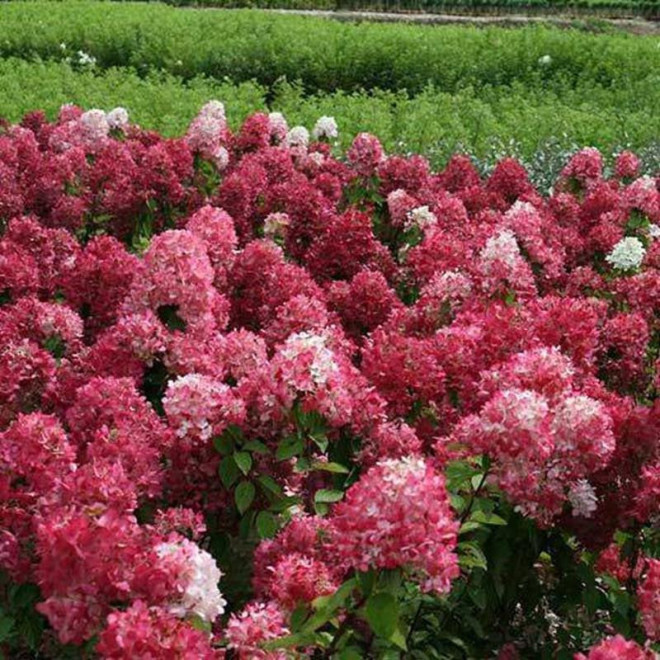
[(245, 326)]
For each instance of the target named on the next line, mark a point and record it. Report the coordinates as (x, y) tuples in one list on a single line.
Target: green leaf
[(290, 641), (256, 447), (269, 484), (224, 444), (367, 581), (244, 461), (198, 623), (6, 627), (399, 639), (326, 606), (382, 611), (469, 527), (487, 518), (320, 440), (228, 471), (471, 555), (298, 617), (244, 495), (336, 468), (289, 447), (266, 525), (328, 496)]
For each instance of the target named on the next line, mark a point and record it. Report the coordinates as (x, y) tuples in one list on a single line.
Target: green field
[(324, 55), (596, 8), (430, 90)]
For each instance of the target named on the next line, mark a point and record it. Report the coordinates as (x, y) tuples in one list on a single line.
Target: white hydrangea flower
[(325, 127), (654, 231), (298, 136), (399, 469), (220, 158), (323, 364), (200, 577), (627, 254), (214, 110), (317, 158), (583, 499), (275, 224), (502, 247), (278, 125), (117, 118), (94, 124), (422, 218)]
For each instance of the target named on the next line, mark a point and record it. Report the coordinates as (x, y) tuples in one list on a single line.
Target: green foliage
[(324, 55), (608, 8), (537, 126)]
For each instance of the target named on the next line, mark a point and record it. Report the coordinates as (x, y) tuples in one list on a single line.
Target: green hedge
[(324, 55), (436, 123), (596, 8)]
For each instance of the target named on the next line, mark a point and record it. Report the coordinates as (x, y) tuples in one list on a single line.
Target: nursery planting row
[(541, 128), (598, 8), (325, 55), (260, 400)]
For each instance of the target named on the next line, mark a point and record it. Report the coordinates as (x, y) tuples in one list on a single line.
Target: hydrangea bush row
[(261, 401)]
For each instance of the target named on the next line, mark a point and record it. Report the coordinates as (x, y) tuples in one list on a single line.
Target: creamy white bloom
[(583, 499), (325, 127), (654, 231), (298, 136), (117, 118), (317, 158), (627, 254), (502, 247), (199, 579), (323, 364), (545, 60), (220, 158), (275, 224), (422, 218), (94, 124), (399, 469), (278, 125), (213, 110)]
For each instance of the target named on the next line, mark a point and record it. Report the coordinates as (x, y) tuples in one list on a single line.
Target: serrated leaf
[(321, 441), (336, 468), (290, 641), (6, 627), (269, 484), (228, 471), (244, 461), (266, 525), (256, 447), (328, 496), (326, 606), (487, 518), (298, 617), (399, 639), (244, 495), (469, 526), (284, 503), (382, 612), (471, 555), (289, 447), (198, 623), (223, 444)]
